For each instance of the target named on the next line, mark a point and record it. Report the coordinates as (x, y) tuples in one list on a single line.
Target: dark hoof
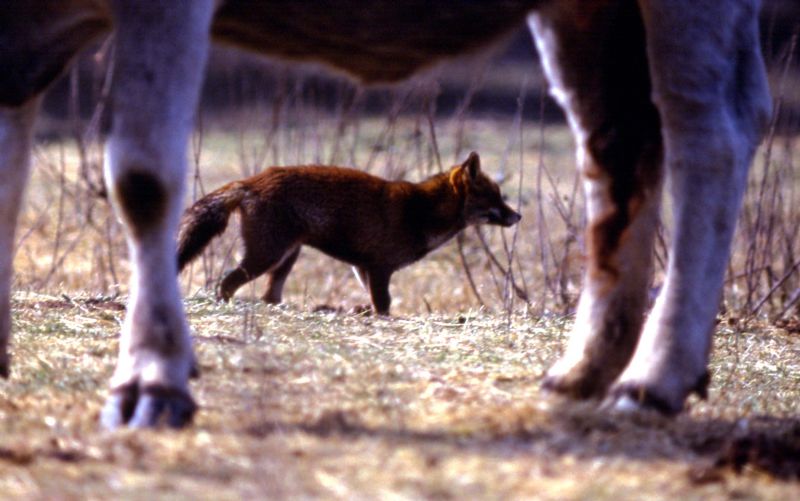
[(4, 372), (632, 398), (151, 407)]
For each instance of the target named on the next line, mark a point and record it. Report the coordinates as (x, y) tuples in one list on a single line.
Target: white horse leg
[(710, 88), (161, 49), (597, 68), (16, 125)]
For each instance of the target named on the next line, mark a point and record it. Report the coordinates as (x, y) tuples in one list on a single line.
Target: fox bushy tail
[(205, 219)]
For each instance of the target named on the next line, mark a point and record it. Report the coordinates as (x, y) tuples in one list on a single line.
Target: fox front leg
[(378, 281)]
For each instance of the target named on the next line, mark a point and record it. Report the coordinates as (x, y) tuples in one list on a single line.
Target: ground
[(297, 404)]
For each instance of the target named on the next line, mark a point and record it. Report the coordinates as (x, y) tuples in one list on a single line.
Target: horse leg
[(16, 125), (161, 50), (710, 88), (595, 61)]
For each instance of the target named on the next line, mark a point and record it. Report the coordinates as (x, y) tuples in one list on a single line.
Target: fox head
[(483, 203)]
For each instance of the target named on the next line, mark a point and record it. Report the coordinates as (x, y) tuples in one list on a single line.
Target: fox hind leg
[(274, 257), (271, 243), (278, 275), (249, 269)]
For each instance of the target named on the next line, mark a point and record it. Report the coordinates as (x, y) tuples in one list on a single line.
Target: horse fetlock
[(589, 376), (155, 351), (602, 342)]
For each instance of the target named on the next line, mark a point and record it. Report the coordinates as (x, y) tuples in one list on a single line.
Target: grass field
[(297, 404), (440, 401)]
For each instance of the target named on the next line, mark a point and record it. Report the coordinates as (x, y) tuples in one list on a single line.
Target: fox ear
[(472, 165)]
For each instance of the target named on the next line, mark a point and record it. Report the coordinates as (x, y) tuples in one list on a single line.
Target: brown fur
[(376, 225)]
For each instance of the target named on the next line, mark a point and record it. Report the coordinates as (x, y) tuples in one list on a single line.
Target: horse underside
[(387, 42), (652, 89)]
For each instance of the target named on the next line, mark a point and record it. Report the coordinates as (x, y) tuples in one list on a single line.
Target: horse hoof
[(637, 399), (152, 407)]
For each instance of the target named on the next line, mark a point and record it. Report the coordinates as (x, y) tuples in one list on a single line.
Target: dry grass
[(297, 404)]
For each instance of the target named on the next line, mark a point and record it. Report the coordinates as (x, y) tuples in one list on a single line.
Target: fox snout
[(503, 216)]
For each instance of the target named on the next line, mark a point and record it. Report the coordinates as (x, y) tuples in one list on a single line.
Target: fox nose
[(512, 218)]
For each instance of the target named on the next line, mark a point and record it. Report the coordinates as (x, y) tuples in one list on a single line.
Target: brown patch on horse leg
[(610, 108), (628, 157)]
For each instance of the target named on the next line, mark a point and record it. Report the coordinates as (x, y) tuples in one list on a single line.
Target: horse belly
[(384, 41)]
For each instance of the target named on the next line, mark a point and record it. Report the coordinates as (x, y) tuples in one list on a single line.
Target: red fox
[(378, 226)]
